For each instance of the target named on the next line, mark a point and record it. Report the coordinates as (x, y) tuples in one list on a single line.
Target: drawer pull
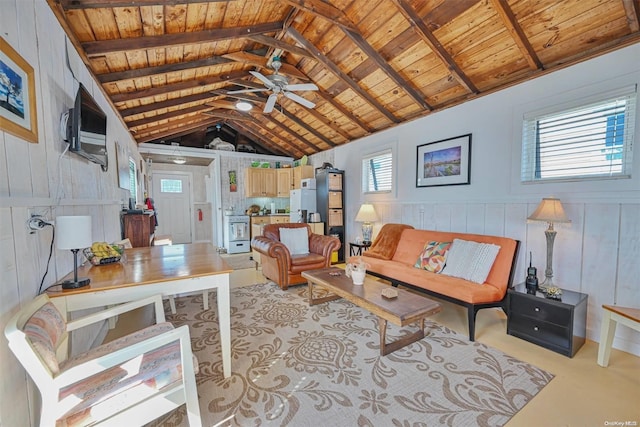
[(535, 328), (537, 309)]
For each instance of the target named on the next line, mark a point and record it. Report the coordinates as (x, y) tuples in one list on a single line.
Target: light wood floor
[(581, 394)]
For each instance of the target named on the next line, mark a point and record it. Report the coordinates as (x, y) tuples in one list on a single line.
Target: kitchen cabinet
[(300, 173), (284, 178), (139, 229), (260, 182), (330, 205)]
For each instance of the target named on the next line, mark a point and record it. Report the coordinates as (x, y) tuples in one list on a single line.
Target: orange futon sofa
[(394, 253)]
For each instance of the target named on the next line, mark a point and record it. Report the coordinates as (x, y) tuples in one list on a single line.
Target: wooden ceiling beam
[(319, 56), (279, 44), (260, 118), (297, 150), (125, 112), (161, 69), (102, 47), (362, 125), (258, 139), (168, 116), (228, 115), (95, 4), (323, 10), (427, 36), (632, 10), (402, 83), (308, 128), (509, 20), (175, 87), (172, 133), (262, 62)]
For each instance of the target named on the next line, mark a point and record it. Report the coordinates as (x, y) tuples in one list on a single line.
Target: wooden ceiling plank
[(428, 37), (384, 65), (228, 115), (632, 10), (167, 116), (161, 69), (514, 28), (174, 87), (131, 111), (319, 56), (311, 130), (101, 47), (259, 138), (274, 136), (171, 133)]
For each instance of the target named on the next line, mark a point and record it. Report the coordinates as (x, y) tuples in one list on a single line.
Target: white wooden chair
[(129, 381)]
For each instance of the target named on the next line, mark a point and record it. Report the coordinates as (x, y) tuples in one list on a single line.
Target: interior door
[(172, 198)]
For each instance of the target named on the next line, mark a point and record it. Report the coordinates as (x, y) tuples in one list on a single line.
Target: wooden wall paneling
[(515, 226), (14, 399), (475, 218), (600, 243), (627, 291), (458, 220), (568, 247), (427, 216), (442, 218), (4, 172), (19, 176), (494, 219)]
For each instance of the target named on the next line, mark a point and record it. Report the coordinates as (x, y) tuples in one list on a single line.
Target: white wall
[(596, 254), (36, 177)]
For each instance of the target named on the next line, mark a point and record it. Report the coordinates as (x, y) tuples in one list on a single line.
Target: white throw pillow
[(470, 260), (295, 239)]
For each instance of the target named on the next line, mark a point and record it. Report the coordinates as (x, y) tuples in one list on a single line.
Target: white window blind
[(132, 180), (584, 142), (377, 172)]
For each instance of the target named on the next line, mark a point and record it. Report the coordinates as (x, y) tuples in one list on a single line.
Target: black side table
[(558, 325), (355, 249)]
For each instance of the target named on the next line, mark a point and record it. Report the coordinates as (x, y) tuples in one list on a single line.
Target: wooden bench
[(611, 317)]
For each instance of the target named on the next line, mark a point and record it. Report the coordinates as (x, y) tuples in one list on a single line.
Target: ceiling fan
[(278, 84)]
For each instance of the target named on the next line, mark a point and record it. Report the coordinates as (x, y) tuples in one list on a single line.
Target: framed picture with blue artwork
[(17, 95), (444, 162)]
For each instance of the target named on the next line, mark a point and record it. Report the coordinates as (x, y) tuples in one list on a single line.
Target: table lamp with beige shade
[(549, 210), (366, 215)]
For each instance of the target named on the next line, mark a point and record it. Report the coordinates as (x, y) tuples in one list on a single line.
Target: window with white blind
[(582, 142), (133, 182), (377, 172)]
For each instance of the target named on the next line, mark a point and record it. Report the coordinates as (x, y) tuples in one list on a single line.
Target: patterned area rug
[(296, 365)]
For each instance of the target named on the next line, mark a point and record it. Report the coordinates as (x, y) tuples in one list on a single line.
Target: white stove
[(236, 234)]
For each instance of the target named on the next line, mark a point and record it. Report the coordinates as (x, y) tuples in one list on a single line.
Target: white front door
[(172, 200)]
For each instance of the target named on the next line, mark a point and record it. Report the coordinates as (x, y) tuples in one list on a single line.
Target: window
[(170, 186), (377, 173), (583, 142), (133, 182)]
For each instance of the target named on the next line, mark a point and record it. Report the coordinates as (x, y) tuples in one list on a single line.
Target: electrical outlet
[(36, 220)]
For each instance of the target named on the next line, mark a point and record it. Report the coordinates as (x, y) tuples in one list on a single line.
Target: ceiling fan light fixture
[(243, 106)]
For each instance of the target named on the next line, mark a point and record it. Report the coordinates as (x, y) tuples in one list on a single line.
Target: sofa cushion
[(470, 260), (433, 256), (296, 240)]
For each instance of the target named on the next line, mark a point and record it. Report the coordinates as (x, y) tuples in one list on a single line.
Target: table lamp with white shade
[(73, 233), (549, 210), (366, 215)]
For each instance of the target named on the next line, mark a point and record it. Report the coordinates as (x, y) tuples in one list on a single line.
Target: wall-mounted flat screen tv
[(87, 129)]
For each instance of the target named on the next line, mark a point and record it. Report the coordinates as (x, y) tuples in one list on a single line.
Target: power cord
[(53, 235)]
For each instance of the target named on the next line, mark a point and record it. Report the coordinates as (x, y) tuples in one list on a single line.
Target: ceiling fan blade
[(268, 83), (300, 100), (303, 86), (271, 102), (231, 92)]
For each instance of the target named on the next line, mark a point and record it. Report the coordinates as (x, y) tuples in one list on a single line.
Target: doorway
[(172, 196)]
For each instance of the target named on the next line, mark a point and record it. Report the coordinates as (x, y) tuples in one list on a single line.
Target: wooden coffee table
[(406, 309)]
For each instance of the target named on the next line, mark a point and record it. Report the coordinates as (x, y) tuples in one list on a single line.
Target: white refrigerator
[(302, 199)]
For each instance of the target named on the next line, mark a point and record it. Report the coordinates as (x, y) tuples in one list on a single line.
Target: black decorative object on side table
[(559, 325)]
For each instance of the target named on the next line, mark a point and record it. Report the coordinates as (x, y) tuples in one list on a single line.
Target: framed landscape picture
[(444, 162), (17, 95)]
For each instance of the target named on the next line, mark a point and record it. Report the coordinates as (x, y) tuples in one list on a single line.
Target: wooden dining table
[(145, 271)]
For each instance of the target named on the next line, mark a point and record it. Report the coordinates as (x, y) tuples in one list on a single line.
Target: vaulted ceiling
[(167, 66)]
